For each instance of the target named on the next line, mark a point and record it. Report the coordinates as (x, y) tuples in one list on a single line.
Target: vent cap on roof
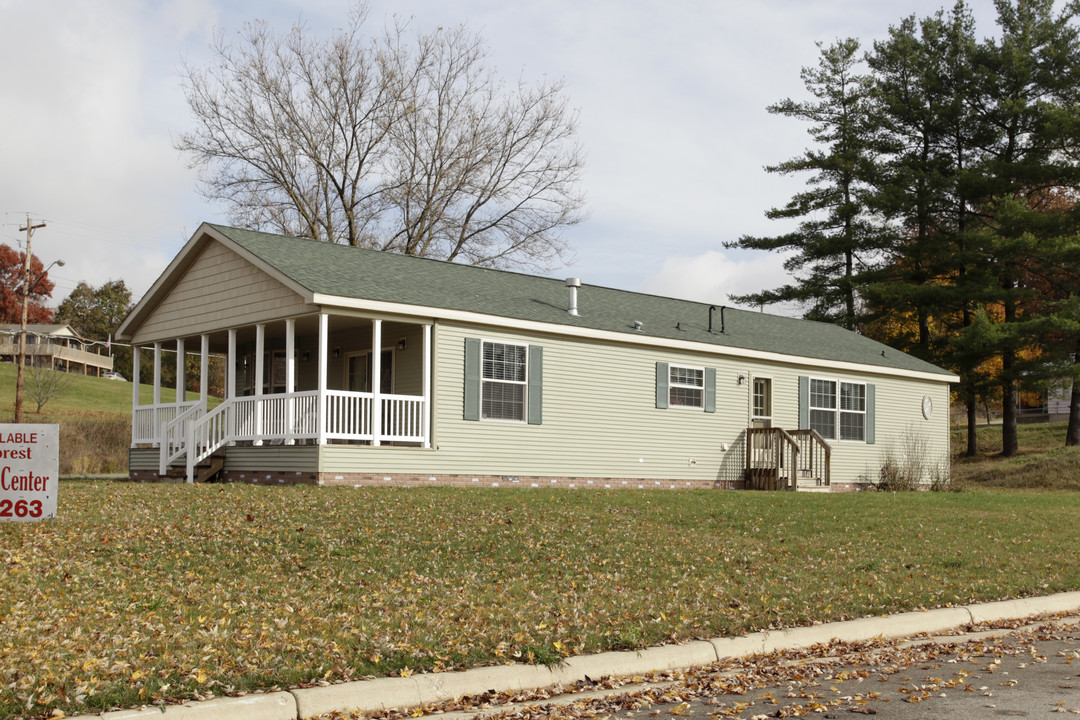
[(573, 284)]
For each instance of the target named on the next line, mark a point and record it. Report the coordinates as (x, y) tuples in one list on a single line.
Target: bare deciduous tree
[(45, 383), (403, 141)]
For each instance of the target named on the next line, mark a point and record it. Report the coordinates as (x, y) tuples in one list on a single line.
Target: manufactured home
[(359, 367)]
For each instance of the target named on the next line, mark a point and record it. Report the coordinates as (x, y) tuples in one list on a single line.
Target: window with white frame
[(852, 411), (843, 417), (761, 415), (504, 381), (686, 386), (823, 407)]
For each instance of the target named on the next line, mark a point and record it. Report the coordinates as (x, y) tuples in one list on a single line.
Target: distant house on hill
[(358, 367), (55, 346)]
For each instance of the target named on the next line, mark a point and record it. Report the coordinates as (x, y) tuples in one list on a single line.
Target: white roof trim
[(151, 298), (379, 306)]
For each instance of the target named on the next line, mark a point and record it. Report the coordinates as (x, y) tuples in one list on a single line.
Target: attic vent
[(637, 326), (573, 284)]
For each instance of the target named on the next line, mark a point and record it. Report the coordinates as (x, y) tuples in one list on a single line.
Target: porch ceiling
[(306, 326)]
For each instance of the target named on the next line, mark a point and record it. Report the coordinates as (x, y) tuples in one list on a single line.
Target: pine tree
[(835, 242), (923, 83), (1029, 87)]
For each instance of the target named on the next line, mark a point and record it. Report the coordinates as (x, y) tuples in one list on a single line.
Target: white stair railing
[(288, 418), (208, 434), (173, 438)]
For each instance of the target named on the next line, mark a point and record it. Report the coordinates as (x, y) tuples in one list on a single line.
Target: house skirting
[(277, 477), (273, 477)]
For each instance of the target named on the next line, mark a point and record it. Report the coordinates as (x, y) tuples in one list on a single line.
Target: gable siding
[(219, 290)]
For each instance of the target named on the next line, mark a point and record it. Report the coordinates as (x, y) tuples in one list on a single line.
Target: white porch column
[(260, 372), (181, 392), (204, 370), (376, 382), (230, 371), (157, 373), (290, 381), (426, 391), (230, 384), (324, 359), (135, 388)]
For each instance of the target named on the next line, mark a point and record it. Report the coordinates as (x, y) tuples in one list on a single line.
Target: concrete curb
[(271, 706), (1024, 607), (385, 693)]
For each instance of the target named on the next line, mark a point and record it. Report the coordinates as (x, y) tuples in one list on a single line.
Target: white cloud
[(672, 99), (714, 277)]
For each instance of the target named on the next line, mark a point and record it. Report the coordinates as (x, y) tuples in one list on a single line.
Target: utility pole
[(30, 228)]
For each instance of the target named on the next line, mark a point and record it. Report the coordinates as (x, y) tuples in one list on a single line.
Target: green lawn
[(1042, 463), (142, 593), (94, 415), (82, 394)]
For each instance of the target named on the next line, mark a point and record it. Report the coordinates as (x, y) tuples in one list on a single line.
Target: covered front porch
[(310, 380)]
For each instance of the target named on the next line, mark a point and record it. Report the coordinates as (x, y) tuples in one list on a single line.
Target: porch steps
[(204, 471), (809, 484)]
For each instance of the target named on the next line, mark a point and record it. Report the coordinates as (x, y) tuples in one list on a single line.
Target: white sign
[(29, 471)]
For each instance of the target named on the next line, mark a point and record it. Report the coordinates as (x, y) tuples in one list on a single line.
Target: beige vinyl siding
[(408, 363), (600, 419), (219, 290), (901, 428), (898, 416)]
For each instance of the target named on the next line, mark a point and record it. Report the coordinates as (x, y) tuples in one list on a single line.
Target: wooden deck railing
[(777, 459), (771, 458), (815, 456)]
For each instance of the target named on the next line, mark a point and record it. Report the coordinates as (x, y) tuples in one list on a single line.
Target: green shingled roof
[(344, 271)]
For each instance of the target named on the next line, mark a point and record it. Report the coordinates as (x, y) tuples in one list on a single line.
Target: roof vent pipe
[(573, 284), (711, 309)]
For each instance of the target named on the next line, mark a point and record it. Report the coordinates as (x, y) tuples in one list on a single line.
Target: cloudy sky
[(672, 99)]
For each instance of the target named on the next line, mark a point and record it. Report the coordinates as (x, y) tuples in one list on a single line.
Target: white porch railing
[(402, 418), (187, 429), (174, 435), (147, 421)]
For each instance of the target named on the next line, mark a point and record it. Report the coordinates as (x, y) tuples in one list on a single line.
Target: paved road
[(1035, 674), (1031, 672)]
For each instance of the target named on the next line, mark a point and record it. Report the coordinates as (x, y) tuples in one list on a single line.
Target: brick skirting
[(272, 477)]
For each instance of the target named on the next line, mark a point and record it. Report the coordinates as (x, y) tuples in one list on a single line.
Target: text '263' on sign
[(29, 471)]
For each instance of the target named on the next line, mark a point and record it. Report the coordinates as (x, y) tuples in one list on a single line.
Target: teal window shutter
[(662, 385), (536, 385), (870, 439), (804, 402), (710, 390), (472, 379)]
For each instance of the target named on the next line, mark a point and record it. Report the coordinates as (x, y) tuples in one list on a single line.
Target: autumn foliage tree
[(12, 275)]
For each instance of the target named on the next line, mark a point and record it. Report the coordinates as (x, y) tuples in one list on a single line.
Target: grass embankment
[(143, 593), (1042, 463), (94, 416)]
